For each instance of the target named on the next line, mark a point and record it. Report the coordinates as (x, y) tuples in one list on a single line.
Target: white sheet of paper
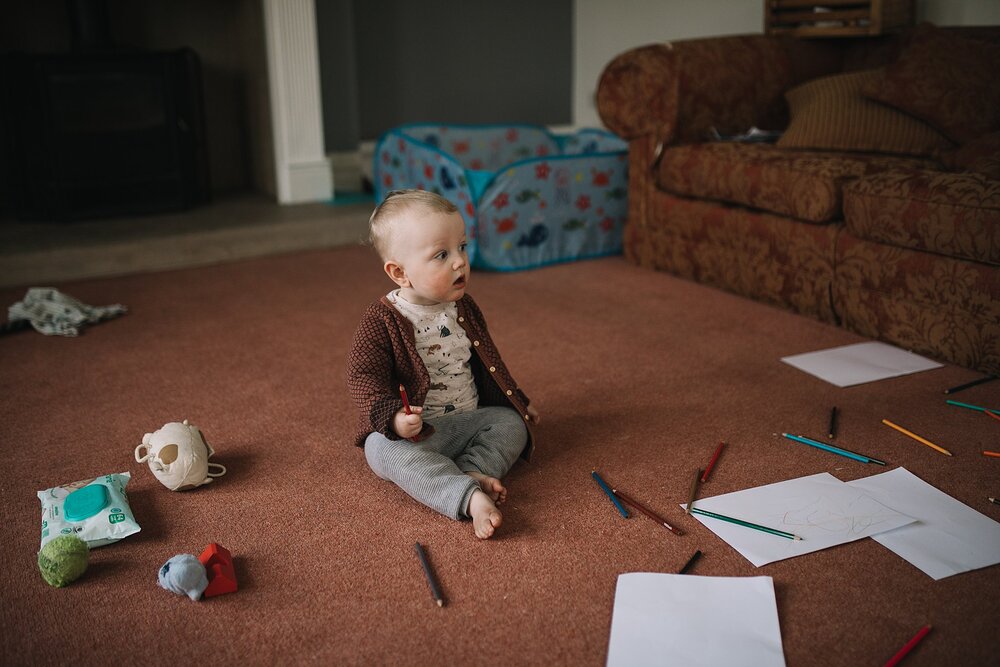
[(820, 509), (859, 363), (949, 537), (679, 619)]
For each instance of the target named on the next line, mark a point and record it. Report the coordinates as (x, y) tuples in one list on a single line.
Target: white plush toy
[(178, 456)]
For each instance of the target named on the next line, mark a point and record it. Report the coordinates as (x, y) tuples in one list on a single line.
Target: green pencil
[(746, 524)]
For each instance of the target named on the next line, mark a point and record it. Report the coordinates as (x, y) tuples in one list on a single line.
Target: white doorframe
[(302, 169)]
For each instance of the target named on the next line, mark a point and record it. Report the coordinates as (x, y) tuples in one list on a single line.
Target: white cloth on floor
[(56, 314)]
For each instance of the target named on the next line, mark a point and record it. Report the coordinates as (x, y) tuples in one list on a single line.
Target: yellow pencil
[(916, 437)]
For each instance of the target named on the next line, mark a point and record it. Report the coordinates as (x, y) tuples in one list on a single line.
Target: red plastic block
[(218, 564)]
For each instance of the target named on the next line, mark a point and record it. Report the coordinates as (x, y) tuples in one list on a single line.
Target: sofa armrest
[(678, 91)]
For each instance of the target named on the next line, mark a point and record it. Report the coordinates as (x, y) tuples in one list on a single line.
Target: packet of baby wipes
[(96, 510)]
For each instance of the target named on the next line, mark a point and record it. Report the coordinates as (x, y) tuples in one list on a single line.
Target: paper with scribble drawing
[(948, 538), (820, 509)]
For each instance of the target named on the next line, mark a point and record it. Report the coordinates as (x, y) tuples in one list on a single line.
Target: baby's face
[(430, 246)]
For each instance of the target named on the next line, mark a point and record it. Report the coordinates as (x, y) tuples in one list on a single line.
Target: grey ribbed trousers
[(487, 440)]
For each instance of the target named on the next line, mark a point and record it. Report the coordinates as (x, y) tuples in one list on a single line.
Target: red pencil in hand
[(406, 403), (427, 429)]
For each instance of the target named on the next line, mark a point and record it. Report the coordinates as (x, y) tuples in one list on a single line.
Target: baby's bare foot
[(486, 518), (491, 486)]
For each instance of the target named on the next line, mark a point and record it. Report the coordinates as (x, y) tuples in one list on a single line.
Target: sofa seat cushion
[(930, 304), (801, 184), (953, 214)]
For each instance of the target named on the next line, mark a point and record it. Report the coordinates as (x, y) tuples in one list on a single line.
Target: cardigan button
[(509, 392), (527, 418), (476, 343), (493, 369), (461, 319)]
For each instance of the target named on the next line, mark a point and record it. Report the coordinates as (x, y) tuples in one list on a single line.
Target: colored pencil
[(991, 413), (833, 423), (994, 454), (995, 501), (435, 591), (687, 566), (648, 512), (427, 430), (694, 491), (607, 489), (711, 464), (406, 402), (835, 450), (916, 437), (745, 524), (955, 390), (970, 407), (894, 660)]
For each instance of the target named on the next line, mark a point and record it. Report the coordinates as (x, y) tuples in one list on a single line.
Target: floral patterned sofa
[(877, 209)]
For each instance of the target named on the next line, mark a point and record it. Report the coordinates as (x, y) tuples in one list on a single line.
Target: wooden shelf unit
[(837, 18)]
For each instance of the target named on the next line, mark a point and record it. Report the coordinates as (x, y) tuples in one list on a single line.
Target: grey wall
[(449, 61)]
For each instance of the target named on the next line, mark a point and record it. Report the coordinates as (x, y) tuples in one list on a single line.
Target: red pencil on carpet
[(895, 660), (715, 457), (648, 512)]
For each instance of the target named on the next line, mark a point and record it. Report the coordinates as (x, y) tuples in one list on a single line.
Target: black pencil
[(833, 423), (955, 390), (435, 591), (691, 560)]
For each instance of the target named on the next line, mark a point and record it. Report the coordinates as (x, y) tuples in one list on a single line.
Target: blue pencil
[(832, 449), (607, 490)]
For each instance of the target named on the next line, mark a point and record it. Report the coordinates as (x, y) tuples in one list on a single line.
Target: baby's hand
[(408, 425)]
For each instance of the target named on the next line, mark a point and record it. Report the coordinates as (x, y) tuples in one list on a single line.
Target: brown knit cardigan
[(384, 355)]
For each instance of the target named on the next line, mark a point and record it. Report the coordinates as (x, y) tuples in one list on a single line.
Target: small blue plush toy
[(185, 575)]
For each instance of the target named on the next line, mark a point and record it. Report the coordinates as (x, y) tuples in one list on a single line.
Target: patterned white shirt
[(445, 351)]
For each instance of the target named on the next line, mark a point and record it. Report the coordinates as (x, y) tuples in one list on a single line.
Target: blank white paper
[(863, 362), (677, 619), (820, 509), (949, 537)]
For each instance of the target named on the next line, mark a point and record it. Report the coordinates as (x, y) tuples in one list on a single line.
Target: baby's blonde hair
[(391, 210)]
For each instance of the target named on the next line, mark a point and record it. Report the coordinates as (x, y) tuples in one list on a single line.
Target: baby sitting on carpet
[(469, 422)]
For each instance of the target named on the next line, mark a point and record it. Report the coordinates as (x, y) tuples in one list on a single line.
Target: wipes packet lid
[(86, 502)]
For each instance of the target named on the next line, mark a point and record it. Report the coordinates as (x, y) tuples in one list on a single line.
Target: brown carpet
[(636, 374)]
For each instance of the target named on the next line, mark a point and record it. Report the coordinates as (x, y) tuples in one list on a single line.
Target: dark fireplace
[(104, 131)]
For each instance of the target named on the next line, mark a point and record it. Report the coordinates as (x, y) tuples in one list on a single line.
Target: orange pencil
[(995, 454), (992, 414), (916, 437)]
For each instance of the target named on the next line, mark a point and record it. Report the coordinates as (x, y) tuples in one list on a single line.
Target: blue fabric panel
[(402, 163), (478, 180), (555, 209), (528, 197), (485, 147)]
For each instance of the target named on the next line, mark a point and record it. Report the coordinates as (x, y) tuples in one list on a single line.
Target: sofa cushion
[(801, 184), (941, 306), (981, 155), (947, 80), (953, 214), (831, 113)]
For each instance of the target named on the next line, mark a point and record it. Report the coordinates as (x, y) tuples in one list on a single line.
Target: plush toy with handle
[(178, 456)]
